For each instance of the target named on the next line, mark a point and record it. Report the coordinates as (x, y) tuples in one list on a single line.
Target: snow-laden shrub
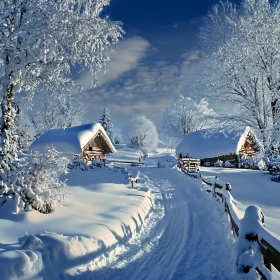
[(97, 163), (256, 161), (37, 184), (206, 164), (227, 164), (218, 163), (118, 139), (141, 133), (77, 163), (275, 178)]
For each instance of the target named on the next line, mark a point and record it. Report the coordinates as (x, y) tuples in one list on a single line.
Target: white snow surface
[(166, 228), (252, 187), (69, 141), (124, 153), (203, 144)]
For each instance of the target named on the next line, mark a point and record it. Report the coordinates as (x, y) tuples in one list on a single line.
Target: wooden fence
[(267, 244), (132, 163), (191, 163)]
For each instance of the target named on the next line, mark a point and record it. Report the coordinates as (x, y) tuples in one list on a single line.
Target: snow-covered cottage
[(87, 141), (209, 147)]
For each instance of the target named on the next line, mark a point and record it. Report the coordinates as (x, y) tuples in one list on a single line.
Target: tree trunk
[(275, 131), (8, 154), (8, 122)]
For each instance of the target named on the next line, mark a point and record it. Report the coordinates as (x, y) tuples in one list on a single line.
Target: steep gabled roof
[(72, 140), (202, 144)]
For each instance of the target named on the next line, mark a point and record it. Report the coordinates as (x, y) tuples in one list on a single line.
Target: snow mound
[(103, 214)]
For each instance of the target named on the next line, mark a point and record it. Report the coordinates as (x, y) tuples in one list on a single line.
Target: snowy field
[(252, 187), (125, 154), (165, 228), (88, 232)]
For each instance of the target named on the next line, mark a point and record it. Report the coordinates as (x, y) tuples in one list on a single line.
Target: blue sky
[(152, 64)]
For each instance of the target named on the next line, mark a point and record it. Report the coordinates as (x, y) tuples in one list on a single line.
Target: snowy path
[(192, 237)]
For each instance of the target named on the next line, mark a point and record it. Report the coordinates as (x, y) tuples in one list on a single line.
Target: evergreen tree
[(105, 121)]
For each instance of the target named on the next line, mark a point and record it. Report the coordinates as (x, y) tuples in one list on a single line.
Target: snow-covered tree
[(49, 111), (37, 185), (220, 19), (105, 121), (245, 67), (184, 116), (41, 42), (118, 138), (142, 133)]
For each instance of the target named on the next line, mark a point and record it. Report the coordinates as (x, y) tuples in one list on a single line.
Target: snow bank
[(103, 213), (252, 187), (69, 140)]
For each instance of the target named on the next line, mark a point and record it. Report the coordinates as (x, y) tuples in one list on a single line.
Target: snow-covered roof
[(70, 140), (202, 144)]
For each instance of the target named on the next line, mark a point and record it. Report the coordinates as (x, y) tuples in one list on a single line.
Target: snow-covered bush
[(227, 164), (206, 164), (218, 163), (97, 163), (252, 162), (275, 178), (78, 163), (37, 184), (117, 139), (142, 133)]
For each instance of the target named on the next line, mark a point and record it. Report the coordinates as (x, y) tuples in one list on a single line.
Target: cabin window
[(90, 148)]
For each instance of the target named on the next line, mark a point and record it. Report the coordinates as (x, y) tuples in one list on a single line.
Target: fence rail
[(191, 163), (250, 227), (133, 163)]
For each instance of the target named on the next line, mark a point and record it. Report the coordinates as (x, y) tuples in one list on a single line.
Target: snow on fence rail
[(132, 163), (257, 247)]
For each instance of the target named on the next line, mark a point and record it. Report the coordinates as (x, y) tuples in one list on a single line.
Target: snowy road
[(191, 241)]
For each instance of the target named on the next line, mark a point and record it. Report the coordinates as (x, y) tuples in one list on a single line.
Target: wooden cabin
[(97, 147), (210, 147), (89, 141)]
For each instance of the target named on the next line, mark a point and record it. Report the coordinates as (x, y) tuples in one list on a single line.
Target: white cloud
[(146, 90), (126, 56)]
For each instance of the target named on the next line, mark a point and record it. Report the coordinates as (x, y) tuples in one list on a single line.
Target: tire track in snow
[(193, 242)]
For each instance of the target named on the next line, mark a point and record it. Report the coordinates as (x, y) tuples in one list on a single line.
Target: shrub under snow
[(227, 164), (141, 133), (37, 184), (254, 162), (218, 163)]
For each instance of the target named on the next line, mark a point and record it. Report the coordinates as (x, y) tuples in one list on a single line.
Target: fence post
[(249, 254)]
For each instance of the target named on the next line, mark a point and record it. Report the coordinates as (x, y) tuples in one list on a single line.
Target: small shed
[(209, 147), (88, 141)]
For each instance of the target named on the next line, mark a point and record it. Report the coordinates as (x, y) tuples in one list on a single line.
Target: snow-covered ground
[(125, 154), (165, 228), (102, 214), (252, 187)]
